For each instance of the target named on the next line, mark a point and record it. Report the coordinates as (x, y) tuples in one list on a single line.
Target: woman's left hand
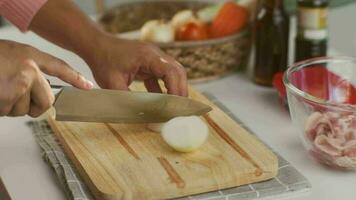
[(116, 63)]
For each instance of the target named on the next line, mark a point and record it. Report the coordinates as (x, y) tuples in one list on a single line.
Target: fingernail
[(163, 60), (89, 84), (178, 63)]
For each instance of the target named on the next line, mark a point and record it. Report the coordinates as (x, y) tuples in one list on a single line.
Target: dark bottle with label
[(271, 41), (311, 40)]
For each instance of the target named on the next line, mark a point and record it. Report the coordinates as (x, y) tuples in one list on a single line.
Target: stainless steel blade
[(114, 106)]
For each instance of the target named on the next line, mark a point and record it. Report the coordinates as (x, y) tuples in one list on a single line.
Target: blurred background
[(344, 9), (345, 30), (89, 5)]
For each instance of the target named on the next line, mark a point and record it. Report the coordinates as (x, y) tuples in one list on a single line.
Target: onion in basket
[(157, 31), (181, 18)]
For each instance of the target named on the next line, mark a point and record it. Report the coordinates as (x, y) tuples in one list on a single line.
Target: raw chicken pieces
[(333, 138)]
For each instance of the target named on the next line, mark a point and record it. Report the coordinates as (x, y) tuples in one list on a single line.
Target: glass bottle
[(271, 41), (311, 40)]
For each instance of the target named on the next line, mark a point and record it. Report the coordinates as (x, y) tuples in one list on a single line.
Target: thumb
[(116, 81), (56, 67)]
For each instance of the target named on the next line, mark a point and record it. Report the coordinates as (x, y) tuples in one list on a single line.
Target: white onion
[(181, 18), (157, 31), (163, 33), (147, 29), (185, 134)]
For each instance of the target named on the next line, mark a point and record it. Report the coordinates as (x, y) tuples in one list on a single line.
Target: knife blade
[(114, 106)]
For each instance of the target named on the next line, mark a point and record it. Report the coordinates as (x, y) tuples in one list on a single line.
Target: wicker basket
[(203, 60)]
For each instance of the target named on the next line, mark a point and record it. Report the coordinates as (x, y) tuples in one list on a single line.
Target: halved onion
[(185, 134)]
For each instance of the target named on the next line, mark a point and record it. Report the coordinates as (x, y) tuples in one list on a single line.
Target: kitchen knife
[(114, 106)]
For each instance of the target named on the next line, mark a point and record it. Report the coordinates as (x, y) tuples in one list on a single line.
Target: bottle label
[(315, 34), (312, 23)]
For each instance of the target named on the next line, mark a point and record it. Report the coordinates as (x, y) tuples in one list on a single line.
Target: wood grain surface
[(128, 161)]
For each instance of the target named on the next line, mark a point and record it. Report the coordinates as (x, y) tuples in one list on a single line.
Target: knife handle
[(54, 86), (56, 89)]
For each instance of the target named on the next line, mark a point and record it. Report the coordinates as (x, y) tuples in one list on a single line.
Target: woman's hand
[(115, 63), (23, 88)]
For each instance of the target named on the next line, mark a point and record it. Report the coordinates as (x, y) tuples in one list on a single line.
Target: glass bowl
[(322, 101)]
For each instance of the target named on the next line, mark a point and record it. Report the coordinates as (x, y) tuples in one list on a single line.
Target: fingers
[(22, 106), (60, 69), (171, 82), (183, 83), (16, 103), (5, 109), (165, 67), (7, 100), (152, 85), (115, 81), (41, 95), (174, 76)]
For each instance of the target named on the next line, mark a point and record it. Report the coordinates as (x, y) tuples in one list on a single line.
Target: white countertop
[(27, 176)]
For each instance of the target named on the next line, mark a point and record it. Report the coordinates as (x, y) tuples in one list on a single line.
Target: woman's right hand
[(23, 88)]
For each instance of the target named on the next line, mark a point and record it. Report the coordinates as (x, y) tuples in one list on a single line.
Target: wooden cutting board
[(121, 161)]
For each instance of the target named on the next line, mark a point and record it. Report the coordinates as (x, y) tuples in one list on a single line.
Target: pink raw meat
[(316, 124), (328, 145), (333, 138)]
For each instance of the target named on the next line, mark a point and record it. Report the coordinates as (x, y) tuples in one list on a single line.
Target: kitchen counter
[(27, 176)]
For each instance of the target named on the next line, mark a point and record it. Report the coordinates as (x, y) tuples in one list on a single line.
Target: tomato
[(192, 31), (230, 19)]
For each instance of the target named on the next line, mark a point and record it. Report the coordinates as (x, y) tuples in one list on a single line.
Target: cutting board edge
[(274, 166), (97, 192), (264, 177)]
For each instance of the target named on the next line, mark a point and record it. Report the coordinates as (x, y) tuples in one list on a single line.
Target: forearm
[(20, 12), (62, 22)]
